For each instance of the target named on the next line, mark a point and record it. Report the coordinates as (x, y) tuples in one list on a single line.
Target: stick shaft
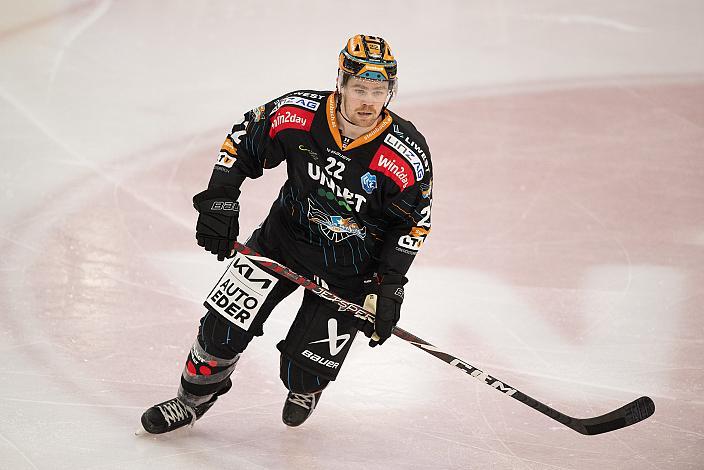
[(631, 413)]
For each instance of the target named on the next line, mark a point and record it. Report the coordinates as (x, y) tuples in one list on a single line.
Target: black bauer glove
[(218, 220), (384, 299)]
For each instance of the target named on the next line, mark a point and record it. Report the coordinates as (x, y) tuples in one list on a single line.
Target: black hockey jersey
[(346, 209)]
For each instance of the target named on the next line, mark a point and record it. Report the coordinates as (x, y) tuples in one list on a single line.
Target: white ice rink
[(567, 253)]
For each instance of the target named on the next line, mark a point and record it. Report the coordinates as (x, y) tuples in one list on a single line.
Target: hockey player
[(352, 215)]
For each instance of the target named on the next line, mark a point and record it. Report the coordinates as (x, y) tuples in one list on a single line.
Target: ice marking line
[(527, 347), (588, 329), (39, 22), (19, 451), (633, 91), (490, 451), (680, 429), (102, 8), (588, 20), (89, 379), (87, 405), (19, 244), (87, 163), (189, 452)]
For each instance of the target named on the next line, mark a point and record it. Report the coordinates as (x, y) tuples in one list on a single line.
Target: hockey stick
[(629, 414)]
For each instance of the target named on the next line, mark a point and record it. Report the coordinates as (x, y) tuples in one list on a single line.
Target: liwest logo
[(408, 141), (289, 117), (388, 162)]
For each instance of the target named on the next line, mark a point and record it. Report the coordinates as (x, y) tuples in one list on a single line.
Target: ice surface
[(566, 255)]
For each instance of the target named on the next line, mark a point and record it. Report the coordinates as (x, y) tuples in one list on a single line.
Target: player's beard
[(363, 115)]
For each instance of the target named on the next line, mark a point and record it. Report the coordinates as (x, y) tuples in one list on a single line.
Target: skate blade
[(142, 432)]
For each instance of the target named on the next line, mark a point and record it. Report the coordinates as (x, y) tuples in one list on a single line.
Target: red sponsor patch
[(290, 117), (391, 164)]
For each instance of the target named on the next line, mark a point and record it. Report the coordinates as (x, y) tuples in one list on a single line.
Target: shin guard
[(204, 375)]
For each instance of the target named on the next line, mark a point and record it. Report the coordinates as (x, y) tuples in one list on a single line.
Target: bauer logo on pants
[(333, 338), (240, 292)]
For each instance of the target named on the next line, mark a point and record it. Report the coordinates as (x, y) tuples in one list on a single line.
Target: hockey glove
[(384, 299), (218, 220)]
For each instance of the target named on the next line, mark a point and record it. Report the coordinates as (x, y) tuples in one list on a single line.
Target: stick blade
[(629, 414)]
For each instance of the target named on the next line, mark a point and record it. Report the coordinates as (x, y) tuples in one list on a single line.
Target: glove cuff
[(224, 197), (389, 286)]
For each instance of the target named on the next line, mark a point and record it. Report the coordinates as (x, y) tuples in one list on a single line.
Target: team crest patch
[(336, 228), (368, 182), (426, 189), (258, 113)]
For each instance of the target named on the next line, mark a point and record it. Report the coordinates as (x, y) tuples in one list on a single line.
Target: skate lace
[(305, 400), (174, 412)]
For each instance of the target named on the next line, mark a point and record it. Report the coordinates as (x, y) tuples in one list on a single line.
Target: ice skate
[(174, 414), (298, 407)]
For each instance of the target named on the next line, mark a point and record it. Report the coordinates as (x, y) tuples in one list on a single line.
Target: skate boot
[(173, 414), (298, 407)]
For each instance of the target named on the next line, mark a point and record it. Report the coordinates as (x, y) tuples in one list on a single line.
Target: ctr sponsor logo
[(388, 162), (228, 153), (414, 240), (290, 117)]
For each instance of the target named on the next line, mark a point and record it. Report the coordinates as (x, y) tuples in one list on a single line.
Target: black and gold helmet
[(368, 57)]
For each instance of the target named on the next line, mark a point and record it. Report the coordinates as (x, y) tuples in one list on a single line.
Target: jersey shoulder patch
[(403, 156), (305, 99), (295, 110)]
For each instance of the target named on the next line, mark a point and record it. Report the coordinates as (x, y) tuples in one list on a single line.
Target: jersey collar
[(361, 140)]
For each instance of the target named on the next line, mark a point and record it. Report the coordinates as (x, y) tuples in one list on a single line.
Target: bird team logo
[(334, 227)]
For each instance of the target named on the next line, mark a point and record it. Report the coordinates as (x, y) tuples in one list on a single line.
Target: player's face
[(363, 100)]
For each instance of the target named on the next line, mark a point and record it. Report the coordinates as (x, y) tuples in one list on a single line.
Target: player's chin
[(366, 118)]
